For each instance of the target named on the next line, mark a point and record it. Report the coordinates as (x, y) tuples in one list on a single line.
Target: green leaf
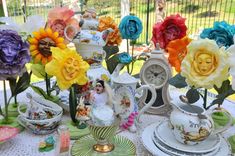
[(192, 95), (110, 50), (178, 81), (40, 91), (22, 84), (224, 87), (38, 70), (72, 104), (12, 83), (221, 97), (112, 63)]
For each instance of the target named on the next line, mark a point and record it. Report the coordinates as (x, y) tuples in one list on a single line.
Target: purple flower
[(14, 54)]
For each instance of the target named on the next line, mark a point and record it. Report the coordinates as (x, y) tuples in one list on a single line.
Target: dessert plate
[(146, 138), (84, 147), (164, 134), (6, 133), (175, 152)]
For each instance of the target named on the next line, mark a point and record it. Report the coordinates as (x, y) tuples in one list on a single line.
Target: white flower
[(231, 60)]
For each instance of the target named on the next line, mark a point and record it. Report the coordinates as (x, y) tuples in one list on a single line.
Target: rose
[(231, 51), (173, 27), (124, 58), (205, 64), (14, 54), (130, 27), (59, 18), (222, 33)]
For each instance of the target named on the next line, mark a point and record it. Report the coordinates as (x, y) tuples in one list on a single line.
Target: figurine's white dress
[(101, 113)]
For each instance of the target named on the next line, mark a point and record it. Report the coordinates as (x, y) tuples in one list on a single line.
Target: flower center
[(70, 69), (44, 46), (58, 26), (204, 63)]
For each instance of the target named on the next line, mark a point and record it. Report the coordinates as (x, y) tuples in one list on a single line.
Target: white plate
[(175, 152), (165, 135), (146, 139)]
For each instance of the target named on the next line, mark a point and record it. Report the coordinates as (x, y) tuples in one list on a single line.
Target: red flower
[(173, 27)]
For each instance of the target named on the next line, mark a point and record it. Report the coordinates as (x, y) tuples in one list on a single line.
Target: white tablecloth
[(26, 143)]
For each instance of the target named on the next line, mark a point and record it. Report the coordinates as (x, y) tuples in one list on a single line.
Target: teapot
[(89, 43), (192, 124), (125, 104)]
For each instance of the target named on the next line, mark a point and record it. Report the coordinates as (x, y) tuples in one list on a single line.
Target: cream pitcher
[(125, 104)]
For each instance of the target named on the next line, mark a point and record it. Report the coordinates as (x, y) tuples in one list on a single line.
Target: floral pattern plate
[(165, 135), (7, 133), (83, 147), (146, 137)]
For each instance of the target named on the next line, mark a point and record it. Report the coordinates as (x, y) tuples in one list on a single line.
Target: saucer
[(176, 152), (84, 146), (146, 139), (164, 134)]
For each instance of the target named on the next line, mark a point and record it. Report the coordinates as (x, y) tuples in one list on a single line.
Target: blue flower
[(124, 58), (222, 33), (130, 27)]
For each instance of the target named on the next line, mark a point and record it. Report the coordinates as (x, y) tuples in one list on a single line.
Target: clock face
[(155, 74)]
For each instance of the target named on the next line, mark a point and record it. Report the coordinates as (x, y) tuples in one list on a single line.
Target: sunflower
[(41, 43), (177, 50), (68, 67)]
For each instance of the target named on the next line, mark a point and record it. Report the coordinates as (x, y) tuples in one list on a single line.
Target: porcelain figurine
[(125, 105), (102, 113), (192, 124)]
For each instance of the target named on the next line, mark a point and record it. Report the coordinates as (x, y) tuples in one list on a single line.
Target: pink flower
[(173, 27), (59, 18)]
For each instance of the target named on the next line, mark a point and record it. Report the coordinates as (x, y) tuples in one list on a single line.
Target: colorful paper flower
[(205, 65), (222, 33), (41, 43), (130, 27), (68, 67), (177, 50), (114, 37), (173, 27), (59, 18), (14, 54), (231, 51)]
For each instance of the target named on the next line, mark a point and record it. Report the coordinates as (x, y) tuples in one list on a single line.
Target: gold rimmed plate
[(84, 147)]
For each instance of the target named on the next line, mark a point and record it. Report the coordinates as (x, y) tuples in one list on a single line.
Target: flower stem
[(132, 54), (205, 99), (5, 100), (16, 102), (47, 79), (127, 45)]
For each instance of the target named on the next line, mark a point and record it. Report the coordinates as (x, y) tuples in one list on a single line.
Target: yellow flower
[(68, 67), (41, 43), (205, 65)]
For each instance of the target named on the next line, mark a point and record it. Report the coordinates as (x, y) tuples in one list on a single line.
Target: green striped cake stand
[(84, 147)]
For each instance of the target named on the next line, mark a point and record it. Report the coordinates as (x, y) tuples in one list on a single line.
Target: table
[(26, 143)]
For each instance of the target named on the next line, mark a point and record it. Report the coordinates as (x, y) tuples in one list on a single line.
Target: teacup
[(103, 135)]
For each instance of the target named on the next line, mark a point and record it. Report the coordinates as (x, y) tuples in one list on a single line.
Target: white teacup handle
[(19, 109), (151, 88), (66, 34), (220, 130)]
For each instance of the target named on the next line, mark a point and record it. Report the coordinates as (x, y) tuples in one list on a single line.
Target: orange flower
[(177, 50), (114, 37), (41, 43)]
